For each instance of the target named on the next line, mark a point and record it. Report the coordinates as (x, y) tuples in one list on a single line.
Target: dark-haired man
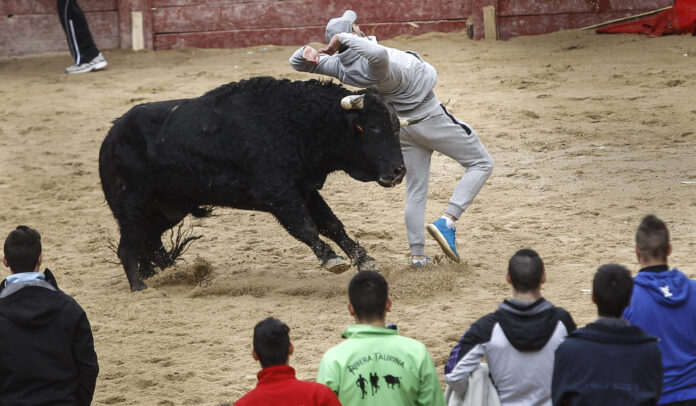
[(608, 362), (518, 340), (46, 346), (277, 383), (664, 305), (407, 82), (400, 369)]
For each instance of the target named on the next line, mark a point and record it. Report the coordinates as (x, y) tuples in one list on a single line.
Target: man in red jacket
[(277, 383)]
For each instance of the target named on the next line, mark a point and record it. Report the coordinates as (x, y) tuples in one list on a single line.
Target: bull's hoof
[(337, 265), (137, 286), (368, 265)]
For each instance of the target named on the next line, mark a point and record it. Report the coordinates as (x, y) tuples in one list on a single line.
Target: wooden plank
[(125, 8), (138, 39), (489, 24), (291, 35), (510, 27), (224, 17), (477, 15), (30, 34), (22, 7), (529, 7), (631, 17)]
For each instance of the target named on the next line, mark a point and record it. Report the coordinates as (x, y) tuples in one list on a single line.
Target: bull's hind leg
[(157, 221), (296, 219), (330, 226)]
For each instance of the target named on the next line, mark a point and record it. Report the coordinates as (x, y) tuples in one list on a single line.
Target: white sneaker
[(419, 263), (98, 63)]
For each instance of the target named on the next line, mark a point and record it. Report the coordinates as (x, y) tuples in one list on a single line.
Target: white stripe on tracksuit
[(72, 38)]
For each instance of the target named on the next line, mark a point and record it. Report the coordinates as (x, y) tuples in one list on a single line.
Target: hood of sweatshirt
[(32, 304), (668, 288), (528, 326)]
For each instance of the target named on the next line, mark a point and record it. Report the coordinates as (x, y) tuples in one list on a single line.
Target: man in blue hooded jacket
[(664, 305)]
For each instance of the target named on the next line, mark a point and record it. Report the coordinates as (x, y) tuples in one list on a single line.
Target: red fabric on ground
[(679, 19)]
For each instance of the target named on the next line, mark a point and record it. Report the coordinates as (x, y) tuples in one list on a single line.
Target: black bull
[(259, 144)]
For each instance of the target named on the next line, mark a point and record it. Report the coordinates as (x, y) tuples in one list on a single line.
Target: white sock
[(449, 222)]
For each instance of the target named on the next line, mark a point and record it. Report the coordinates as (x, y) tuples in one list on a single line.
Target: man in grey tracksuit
[(407, 82)]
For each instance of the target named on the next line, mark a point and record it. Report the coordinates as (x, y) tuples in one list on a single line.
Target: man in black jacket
[(46, 346), (608, 362), (518, 340)]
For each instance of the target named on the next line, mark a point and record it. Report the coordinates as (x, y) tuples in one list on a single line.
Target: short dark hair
[(22, 249), (272, 342), (368, 292), (652, 238), (525, 269), (612, 288)]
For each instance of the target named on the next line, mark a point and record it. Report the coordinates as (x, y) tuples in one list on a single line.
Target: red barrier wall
[(32, 26)]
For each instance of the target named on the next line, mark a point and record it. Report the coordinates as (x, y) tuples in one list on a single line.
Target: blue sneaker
[(445, 237)]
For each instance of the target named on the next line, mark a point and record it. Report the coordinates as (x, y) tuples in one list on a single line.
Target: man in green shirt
[(376, 366)]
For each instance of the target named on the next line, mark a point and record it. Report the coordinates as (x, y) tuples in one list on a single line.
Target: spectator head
[(368, 295), (611, 290), (652, 241), (272, 343), (23, 250), (526, 271)]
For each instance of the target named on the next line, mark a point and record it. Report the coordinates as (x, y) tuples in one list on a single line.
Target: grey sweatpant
[(441, 132)]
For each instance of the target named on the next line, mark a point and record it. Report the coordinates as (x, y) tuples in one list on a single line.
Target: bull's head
[(377, 133)]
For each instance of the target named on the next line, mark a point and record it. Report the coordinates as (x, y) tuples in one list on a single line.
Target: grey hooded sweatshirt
[(402, 77)]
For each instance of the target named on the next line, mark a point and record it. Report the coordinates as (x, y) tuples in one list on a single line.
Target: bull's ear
[(353, 102)]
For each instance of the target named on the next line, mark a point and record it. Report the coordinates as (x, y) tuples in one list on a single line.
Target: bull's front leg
[(128, 254), (296, 219), (330, 226)]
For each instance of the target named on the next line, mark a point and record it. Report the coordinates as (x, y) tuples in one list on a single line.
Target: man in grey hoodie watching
[(407, 82), (518, 340)]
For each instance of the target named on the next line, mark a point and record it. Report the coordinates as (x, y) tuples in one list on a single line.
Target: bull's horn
[(353, 102), (405, 122)]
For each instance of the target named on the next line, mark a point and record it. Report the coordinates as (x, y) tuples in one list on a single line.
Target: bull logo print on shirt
[(392, 380), (373, 365)]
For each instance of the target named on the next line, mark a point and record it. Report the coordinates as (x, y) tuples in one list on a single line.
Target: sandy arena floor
[(589, 134)]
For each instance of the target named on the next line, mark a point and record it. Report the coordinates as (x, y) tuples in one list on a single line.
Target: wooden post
[(137, 35), (126, 25), (489, 25)]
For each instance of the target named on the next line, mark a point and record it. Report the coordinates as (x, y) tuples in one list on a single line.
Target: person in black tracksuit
[(518, 340), (47, 352), (608, 362), (82, 47)]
